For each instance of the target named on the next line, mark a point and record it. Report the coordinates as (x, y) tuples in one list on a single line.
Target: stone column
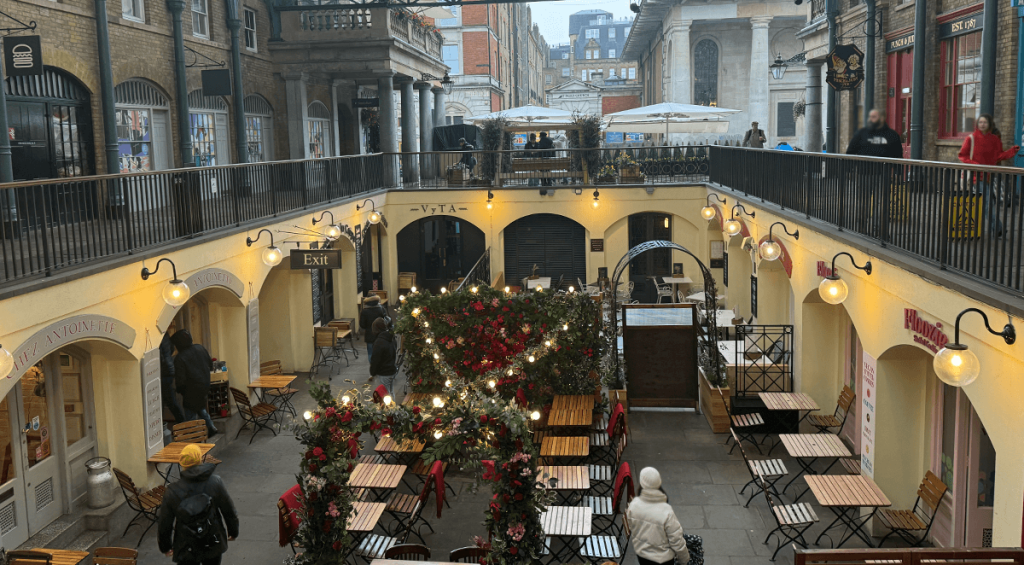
[(681, 62), (757, 104), (439, 108), (388, 125), (813, 136), (426, 130), (298, 111), (410, 142)]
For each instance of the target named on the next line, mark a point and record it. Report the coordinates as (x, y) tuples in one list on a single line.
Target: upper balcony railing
[(969, 219), (355, 22)]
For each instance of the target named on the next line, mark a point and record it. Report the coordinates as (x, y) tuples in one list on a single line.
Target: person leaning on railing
[(877, 139), (985, 147)]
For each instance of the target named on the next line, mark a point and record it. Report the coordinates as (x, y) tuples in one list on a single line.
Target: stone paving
[(700, 477)]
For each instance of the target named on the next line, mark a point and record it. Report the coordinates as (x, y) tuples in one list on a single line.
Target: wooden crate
[(712, 407)]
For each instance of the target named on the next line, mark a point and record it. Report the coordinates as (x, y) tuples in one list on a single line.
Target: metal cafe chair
[(907, 523), (471, 554), (771, 470), (792, 520), (825, 422), (743, 426)]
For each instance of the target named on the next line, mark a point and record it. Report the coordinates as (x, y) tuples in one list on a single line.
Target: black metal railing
[(480, 274), (967, 218)]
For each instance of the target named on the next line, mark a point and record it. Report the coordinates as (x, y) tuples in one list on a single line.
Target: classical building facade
[(718, 54), (594, 51)]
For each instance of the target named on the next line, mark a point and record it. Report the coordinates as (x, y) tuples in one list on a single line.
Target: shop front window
[(134, 140), (254, 138), (204, 142), (959, 102), (317, 138)]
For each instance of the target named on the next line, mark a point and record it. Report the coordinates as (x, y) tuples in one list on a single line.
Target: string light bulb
[(438, 402), (535, 415), (491, 383), (436, 357), (532, 359), (548, 343), (307, 415), (345, 399), (428, 341), (443, 290), (508, 290), (565, 327), (401, 298), (388, 400), (426, 324), (510, 372), (415, 312), (572, 289), (540, 288), (413, 289), (438, 434), (473, 290), (448, 383)]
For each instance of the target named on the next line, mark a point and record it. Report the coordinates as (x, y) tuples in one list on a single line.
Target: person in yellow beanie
[(194, 512)]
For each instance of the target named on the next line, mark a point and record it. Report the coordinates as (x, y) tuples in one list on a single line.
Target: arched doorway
[(645, 269), (555, 244), (50, 122), (208, 123), (439, 249), (259, 129), (142, 113)]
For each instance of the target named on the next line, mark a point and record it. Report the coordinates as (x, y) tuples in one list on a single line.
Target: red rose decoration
[(483, 418), (519, 496), (309, 455), (318, 451), (312, 467), (415, 409), (346, 417), (336, 546), (437, 421), (513, 550)]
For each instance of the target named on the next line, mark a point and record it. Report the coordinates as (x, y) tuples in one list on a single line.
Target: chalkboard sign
[(152, 402)]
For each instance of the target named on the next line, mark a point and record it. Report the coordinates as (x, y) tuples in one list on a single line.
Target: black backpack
[(197, 519)]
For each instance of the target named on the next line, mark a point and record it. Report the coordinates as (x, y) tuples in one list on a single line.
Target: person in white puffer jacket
[(655, 531)]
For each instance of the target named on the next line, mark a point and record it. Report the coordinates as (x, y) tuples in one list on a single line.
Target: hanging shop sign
[(316, 259), (845, 67), (867, 417), (365, 102), (961, 25), (899, 42), (927, 334), (152, 401), (23, 56)]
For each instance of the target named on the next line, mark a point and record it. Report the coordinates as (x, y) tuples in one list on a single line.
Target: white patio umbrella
[(528, 116), (670, 117), (436, 12)]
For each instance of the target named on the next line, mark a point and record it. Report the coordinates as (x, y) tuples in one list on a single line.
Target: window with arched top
[(318, 130), (259, 129), (208, 126), (142, 114), (705, 73)]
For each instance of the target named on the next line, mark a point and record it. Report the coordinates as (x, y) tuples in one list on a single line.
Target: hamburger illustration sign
[(845, 67)]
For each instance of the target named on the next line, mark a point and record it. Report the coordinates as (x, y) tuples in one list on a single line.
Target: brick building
[(594, 51), (953, 62), (162, 122)]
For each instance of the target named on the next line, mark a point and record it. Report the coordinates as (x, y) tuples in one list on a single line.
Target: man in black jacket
[(382, 362), (546, 144), (877, 139), (873, 178), (371, 311), (198, 493), (170, 396), (192, 369)]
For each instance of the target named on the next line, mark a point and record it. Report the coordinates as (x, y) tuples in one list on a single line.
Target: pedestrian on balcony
[(876, 139), (546, 146), (754, 137), (467, 160), (985, 147), (530, 152)]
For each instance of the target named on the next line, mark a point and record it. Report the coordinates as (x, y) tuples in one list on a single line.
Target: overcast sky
[(553, 17)]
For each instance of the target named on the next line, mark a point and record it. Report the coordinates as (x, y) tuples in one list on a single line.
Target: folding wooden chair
[(258, 416), (114, 556), (471, 554), (601, 475), (606, 547), (408, 552), (374, 546), (744, 426), (193, 432), (605, 509), (28, 557), (836, 420), (908, 523), (324, 340), (145, 504), (772, 470), (792, 520), (401, 506), (603, 445)]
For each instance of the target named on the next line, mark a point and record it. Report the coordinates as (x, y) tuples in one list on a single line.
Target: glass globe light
[(833, 290), (473, 290), (272, 256), (375, 217), (508, 289), (955, 365), (333, 232), (596, 202), (176, 293), (732, 227), (535, 415), (708, 212), (401, 298), (771, 250), (489, 205), (6, 362)]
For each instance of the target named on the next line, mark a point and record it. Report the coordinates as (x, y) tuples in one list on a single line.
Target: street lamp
[(272, 255), (333, 231), (832, 289), (778, 68), (770, 249), (708, 212), (733, 226), (375, 216), (954, 364), (490, 196), (176, 292), (597, 196), (447, 84)]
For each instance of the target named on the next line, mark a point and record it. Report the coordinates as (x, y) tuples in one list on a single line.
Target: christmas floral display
[(488, 335)]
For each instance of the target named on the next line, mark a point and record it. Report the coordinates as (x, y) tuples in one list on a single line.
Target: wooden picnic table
[(389, 446), (376, 476), (280, 383), (582, 418), (568, 523), (789, 402), (364, 516), (808, 448), (845, 495), (573, 402), (64, 556), (565, 446), (569, 477), (417, 398)]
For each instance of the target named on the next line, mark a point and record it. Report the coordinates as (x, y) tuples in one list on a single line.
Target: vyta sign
[(926, 333)]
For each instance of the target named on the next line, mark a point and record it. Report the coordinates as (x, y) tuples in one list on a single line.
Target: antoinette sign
[(927, 333)]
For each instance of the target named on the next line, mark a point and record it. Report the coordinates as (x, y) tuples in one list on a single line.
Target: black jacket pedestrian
[(195, 480), (366, 318), (530, 149), (546, 143), (382, 362), (192, 369), (876, 142), (166, 358)]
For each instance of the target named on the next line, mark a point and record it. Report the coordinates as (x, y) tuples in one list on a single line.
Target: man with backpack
[(195, 510)]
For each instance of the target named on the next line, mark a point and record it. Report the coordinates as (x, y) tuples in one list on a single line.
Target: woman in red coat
[(985, 147)]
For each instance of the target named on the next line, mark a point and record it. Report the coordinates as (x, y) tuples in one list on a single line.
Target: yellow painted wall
[(286, 319)]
